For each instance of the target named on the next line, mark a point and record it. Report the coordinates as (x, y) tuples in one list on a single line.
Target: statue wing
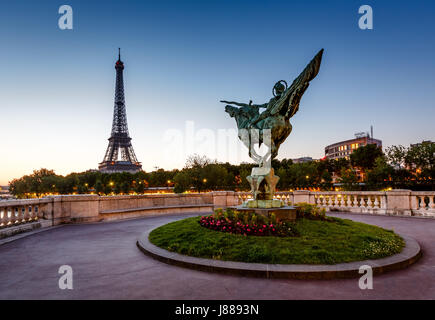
[(292, 96)]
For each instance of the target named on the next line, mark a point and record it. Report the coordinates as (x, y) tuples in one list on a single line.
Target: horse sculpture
[(272, 126)]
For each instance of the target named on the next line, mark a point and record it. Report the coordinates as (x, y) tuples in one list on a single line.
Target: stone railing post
[(301, 196), (223, 199), (399, 202), (80, 208), (311, 197)]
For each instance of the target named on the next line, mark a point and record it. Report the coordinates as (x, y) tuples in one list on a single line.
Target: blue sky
[(182, 57)]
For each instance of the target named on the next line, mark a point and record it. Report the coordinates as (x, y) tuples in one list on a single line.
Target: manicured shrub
[(311, 211)]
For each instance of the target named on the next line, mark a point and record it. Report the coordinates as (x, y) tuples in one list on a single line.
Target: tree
[(68, 184), (421, 156), (125, 187), (364, 157), (214, 176), (195, 165), (99, 187), (81, 189), (326, 182), (107, 189), (19, 187), (139, 186), (396, 155), (117, 188), (182, 182), (159, 178), (380, 176), (348, 179), (337, 165)]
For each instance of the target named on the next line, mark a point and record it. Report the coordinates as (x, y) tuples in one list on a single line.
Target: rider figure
[(279, 89)]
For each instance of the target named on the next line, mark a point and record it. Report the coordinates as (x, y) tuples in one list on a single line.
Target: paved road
[(108, 265)]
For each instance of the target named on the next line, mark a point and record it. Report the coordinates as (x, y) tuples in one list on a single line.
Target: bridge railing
[(92, 208), (394, 202), (16, 212), (423, 202), (351, 201)]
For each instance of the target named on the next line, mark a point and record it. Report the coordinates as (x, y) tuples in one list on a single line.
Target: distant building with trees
[(344, 149)]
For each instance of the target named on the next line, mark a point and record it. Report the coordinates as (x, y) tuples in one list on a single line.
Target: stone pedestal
[(263, 183)]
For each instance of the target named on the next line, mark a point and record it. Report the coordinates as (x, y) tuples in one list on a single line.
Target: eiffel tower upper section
[(125, 160)]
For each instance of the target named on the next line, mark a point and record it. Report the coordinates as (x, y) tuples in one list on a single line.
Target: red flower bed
[(227, 225)]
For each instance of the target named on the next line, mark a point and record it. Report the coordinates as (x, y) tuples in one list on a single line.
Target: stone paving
[(107, 265)]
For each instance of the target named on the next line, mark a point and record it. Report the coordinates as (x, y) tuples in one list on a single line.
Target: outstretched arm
[(235, 103), (264, 105)]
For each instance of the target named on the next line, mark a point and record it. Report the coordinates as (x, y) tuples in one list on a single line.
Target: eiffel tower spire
[(119, 138)]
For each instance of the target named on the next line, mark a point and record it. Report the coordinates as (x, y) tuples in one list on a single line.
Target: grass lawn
[(320, 242)]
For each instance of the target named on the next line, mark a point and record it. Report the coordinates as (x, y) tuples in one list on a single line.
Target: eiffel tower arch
[(119, 155)]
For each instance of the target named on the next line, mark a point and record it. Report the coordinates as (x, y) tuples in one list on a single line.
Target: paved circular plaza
[(107, 265)]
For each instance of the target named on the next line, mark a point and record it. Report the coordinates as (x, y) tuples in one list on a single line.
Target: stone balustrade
[(16, 212), (364, 202), (423, 203), (56, 210), (394, 202)]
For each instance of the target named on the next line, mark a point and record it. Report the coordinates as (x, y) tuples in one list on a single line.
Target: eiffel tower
[(119, 138)]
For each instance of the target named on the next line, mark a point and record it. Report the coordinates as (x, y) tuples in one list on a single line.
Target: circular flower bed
[(227, 225), (313, 239), (250, 224)]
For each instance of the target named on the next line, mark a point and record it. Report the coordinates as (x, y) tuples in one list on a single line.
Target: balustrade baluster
[(370, 202), (336, 201), (11, 217), (346, 201), (26, 213), (376, 203), (6, 216), (36, 212), (431, 202), (2, 217), (424, 204)]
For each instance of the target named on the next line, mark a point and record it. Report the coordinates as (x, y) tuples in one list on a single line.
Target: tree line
[(368, 168)]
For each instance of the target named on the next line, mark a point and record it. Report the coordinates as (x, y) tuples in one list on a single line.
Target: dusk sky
[(182, 57)]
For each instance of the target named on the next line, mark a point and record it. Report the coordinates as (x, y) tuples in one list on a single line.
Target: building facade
[(302, 160), (344, 149)]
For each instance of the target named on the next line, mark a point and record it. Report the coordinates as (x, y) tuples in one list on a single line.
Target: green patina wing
[(291, 98)]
